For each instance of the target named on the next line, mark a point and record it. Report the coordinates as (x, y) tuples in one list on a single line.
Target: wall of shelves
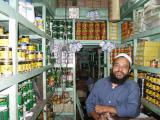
[(148, 34), (18, 25)]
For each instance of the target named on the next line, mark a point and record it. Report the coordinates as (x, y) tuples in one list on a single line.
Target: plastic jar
[(25, 39), (5, 53), (4, 41), (6, 68), (21, 55), (31, 47), (39, 63), (31, 56), (39, 55)]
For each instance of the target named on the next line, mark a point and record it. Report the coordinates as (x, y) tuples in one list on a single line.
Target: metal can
[(39, 63), (4, 113), (5, 53), (31, 55), (154, 63), (21, 55), (39, 55), (31, 47), (6, 68), (4, 41), (25, 39), (4, 100)]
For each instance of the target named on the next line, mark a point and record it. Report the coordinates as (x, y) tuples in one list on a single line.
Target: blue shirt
[(125, 98)]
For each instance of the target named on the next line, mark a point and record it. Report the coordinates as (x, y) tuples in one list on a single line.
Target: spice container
[(6, 68), (31, 56), (21, 55), (25, 39), (5, 53), (39, 55), (31, 47), (4, 41)]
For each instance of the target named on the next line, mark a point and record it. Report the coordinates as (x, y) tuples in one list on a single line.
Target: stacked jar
[(78, 30), (84, 30), (6, 67), (26, 97), (28, 57), (62, 29), (91, 31), (152, 89), (97, 30)]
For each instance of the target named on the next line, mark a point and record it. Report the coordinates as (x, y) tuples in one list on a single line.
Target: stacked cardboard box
[(146, 52)]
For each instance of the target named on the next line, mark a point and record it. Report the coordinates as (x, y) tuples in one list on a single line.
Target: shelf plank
[(36, 110), (151, 106), (66, 89), (63, 65), (126, 12), (95, 42), (148, 69), (65, 113), (7, 81)]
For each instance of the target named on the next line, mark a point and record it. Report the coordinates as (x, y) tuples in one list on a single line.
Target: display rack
[(9, 84), (134, 40)]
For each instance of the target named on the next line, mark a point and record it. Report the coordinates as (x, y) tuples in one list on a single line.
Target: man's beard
[(115, 80)]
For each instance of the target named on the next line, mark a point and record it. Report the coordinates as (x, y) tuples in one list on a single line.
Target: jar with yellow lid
[(31, 55), (4, 41), (6, 68), (5, 53), (1, 30), (31, 47), (39, 55), (21, 66), (25, 39), (39, 63), (21, 55)]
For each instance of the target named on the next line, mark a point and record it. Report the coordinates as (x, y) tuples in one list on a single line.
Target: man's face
[(120, 70)]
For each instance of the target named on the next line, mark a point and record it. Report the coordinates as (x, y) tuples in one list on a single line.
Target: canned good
[(21, 55), (20, 112), (39, 55), (39, 63), (1, 30), (4, 41), (4, 113), (4, 100), (31, 47), (154, 63), (20, 99), (5, 53), (31, 56), (21, 66), (25, 39), (6, 68)]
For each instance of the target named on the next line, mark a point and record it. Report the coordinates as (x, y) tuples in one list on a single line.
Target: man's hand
[(105, 109)]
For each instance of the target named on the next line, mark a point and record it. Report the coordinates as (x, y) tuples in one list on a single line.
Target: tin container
[(5, 53), (39, 63), (31, 47), (4, 113), (4, 41), (20, 112), (21, 55), (25, 39), (39, 55), (6, 68), (1, 30), (20, 99), (4, 100), (31, 55)]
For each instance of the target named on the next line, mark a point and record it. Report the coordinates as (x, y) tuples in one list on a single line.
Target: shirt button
[(109, 102)]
